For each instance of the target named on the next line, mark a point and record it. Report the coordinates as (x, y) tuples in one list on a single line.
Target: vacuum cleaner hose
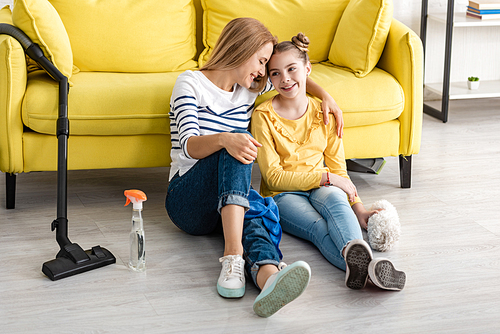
[(32, 50), (17, 34)]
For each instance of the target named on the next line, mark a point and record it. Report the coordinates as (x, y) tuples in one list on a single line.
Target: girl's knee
[(334, 193)]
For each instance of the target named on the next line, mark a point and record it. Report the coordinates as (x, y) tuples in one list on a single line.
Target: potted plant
[(473, 82)]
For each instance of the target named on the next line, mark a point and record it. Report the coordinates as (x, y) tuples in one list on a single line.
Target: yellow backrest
[(318, 19), (130, 35)]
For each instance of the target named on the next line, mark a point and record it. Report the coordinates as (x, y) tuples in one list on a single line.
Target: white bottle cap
[(137, 205)]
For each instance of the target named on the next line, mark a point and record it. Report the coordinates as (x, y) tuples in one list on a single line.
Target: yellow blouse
[(294, 152)]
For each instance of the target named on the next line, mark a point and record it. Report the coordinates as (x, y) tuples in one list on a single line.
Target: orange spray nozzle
[(135, 196)]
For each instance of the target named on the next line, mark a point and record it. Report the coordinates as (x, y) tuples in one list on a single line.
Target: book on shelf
[(483, 11), (484, 4), (484, 17)]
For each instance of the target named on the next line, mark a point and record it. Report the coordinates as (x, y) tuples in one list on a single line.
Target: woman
[(212, 156)]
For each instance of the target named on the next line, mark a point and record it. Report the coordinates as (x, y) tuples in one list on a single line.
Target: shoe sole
[(357, 259), (230, 293), (383, 274), (287, 287)]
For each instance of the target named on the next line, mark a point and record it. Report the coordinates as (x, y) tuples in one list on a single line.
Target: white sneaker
[(231, 283), (282, 287)]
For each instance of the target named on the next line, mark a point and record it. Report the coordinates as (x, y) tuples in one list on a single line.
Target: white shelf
[(461, 20), (459, 90)]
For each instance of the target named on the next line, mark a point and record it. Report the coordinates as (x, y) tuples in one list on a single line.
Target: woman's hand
[(241, 146), (345, 184), (328, 105), (363, 215)]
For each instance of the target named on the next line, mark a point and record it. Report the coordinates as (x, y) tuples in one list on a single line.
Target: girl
[(212, 156), (311, 197)]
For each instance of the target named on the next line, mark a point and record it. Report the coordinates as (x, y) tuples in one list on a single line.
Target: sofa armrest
[(403, 58), (13, 79)]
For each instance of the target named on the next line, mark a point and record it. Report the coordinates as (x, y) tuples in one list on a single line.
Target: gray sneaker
[(383, 274), (358, 255)]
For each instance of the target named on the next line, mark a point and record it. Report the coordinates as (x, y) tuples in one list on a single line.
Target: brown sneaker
[(358, 256), (383, 274)]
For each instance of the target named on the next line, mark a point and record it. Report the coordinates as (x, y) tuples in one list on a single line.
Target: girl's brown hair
[(299, 45), (240, 39)]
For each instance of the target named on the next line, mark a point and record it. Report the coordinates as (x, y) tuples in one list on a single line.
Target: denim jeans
[(322, 216), (194, 201)]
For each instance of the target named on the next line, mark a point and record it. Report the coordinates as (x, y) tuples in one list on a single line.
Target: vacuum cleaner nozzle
[(72, 260)]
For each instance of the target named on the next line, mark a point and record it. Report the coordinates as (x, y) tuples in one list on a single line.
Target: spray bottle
[(137, 260)]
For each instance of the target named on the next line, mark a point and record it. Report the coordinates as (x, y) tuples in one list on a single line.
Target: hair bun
[(301, 41)]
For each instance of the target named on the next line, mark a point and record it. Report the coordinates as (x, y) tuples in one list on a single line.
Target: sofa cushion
[(102, 103), (130, 35), (374, 99), (6, 15), (361, 35), (318, 19), (41, 22)]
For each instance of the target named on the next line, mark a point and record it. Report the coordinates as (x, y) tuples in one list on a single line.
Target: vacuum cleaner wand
[(71, 259)]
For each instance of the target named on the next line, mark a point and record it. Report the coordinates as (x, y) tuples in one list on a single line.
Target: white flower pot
[(473, 84)]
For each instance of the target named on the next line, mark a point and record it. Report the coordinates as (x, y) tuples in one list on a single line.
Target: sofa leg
[(10, 187), (405, 171)]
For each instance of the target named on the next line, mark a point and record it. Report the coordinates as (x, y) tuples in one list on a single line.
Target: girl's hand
[(328, 105), (363, 215), (345, 184), (242, 147)]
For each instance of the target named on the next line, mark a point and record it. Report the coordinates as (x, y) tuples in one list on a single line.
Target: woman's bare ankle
[(233, 251), (265, 271)]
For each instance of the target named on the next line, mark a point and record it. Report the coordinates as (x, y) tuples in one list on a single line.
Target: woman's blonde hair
[(240, 39)]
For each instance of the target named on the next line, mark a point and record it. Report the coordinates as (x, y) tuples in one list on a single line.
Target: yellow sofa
[(122, 60)]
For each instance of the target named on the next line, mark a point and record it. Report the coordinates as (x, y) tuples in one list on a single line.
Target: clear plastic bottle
[(137, 260)]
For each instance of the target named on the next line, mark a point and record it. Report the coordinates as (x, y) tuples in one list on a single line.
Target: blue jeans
[(194, 201), (322, 216)]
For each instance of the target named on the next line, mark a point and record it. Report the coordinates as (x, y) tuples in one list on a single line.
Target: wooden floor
[(449, 249)]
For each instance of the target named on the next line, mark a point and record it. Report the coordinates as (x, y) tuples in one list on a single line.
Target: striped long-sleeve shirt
[(198, 107)]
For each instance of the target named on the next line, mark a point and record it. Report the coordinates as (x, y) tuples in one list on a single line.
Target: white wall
[(475, 50), (408, 11), (469, 44), (6, 2)]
